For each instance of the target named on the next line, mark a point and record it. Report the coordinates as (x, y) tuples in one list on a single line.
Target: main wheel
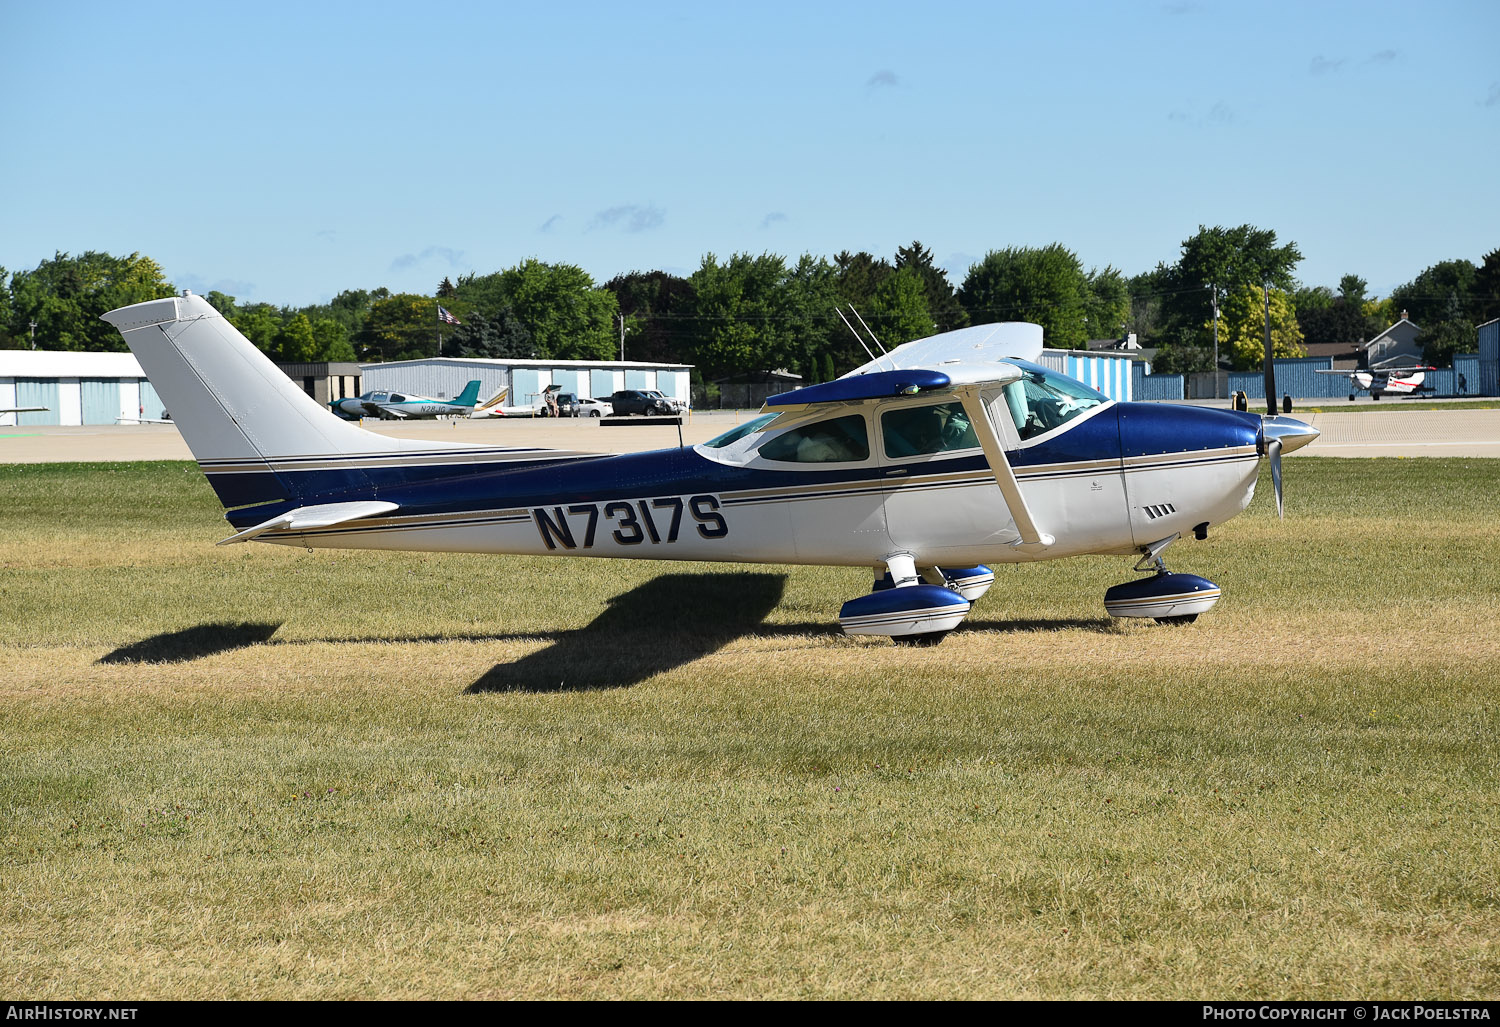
[(930, 638), (1186, 618)]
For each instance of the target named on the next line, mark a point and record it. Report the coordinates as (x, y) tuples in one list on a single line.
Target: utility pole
[(1270, 367), (622, 336), (33, 333), (1215, 288)]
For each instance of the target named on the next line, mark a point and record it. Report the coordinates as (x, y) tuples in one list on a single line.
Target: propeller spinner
[(1283, 435)]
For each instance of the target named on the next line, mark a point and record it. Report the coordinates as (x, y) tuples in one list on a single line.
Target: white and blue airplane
[(401, 406), (1398, 381), (929, 463)]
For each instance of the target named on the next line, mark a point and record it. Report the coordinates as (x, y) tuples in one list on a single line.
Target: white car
[(593, 408)]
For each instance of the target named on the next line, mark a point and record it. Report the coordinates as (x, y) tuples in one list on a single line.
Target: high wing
[(1355, 373), (966, 379), (978, 344)]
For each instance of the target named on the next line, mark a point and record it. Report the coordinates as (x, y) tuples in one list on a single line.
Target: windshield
[(734, 435), (1043, 400)]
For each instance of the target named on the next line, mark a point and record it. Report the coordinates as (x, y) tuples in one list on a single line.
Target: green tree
[(1242, 327), (942, 298), (569, 318), (1106, 304), (398, 327), (1453, 332), (1437, 292), (808, 332), (7, 340), (1229, 259), (261, 324), (1325, 317), (67, 295), (498, 338), (295, 343), (223, 303), (1486, 288), (859, 275), (658, 315), (331, 341), (737, 307), (898, 310), (1044, 285)]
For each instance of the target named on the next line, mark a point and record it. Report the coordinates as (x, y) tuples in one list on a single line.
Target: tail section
[(257, 436), (469, 396)]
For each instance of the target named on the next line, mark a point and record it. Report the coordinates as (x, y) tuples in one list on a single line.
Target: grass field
[(252, 771)]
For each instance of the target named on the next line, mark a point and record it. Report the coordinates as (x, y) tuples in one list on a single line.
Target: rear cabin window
[(840, 440), (918, 431)]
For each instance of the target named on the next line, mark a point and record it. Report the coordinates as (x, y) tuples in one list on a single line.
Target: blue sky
[(285, 152)]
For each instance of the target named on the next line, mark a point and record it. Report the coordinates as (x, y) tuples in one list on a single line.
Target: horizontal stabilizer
[(324, 516)]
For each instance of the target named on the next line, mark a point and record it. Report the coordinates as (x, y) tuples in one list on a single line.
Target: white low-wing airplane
[(403, 406), (1395, 380), (496, 406), (944, 455)]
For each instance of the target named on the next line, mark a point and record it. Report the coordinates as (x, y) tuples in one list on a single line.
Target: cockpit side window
[(1040, 402), (838, 440), (917, 431)]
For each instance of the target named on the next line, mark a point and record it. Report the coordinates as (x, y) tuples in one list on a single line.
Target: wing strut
[(1032, 540)]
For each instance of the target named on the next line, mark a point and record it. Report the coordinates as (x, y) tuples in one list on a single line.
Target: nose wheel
[(1165, 597)]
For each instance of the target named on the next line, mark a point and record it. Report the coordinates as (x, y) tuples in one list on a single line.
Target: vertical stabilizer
[(236, 409)]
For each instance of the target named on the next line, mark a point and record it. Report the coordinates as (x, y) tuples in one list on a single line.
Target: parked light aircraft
[(928, 463), (496, 406), (1395, 380), (403, 406)]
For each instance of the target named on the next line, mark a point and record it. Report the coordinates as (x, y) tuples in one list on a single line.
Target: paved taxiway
[(1393, 432)]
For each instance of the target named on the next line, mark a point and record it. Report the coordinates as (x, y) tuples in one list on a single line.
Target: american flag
[(447, 318)]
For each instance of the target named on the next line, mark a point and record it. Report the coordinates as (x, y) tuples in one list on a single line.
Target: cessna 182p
[(402, 406), (1395, 380), (933, 460)]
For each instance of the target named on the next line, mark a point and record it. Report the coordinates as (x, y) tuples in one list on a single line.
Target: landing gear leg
[(905, 610), (1165, 597)]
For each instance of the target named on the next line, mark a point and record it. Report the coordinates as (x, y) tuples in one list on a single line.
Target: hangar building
[(75, 388)]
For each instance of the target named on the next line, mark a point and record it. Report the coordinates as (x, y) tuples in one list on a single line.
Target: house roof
[(1389, 332)]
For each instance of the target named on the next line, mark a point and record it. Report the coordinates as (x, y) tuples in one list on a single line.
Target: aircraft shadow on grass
[(192, 643), (660, 625)]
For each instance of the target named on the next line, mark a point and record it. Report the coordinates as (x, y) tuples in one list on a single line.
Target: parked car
[(642, 401), (556, 404), (590, 407)]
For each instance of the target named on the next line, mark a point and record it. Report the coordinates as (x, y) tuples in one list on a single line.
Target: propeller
[(1283, 433), (1273, 448)]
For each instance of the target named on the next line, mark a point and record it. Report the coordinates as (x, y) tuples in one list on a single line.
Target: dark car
[(641, 401)]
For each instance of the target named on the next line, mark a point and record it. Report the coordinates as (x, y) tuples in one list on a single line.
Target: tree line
[(751, 313)]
